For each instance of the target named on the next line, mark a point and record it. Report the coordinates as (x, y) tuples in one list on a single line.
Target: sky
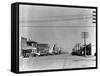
[(56, 25)]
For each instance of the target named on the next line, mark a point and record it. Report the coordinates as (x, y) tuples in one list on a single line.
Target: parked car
[(26, 52)]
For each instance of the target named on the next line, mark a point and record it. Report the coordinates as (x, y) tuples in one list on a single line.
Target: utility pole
[(84, 35)]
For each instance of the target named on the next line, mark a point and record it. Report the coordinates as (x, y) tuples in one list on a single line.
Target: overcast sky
[(60, 25)]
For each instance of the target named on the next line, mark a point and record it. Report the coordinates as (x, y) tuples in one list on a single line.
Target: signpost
[(84, 35)]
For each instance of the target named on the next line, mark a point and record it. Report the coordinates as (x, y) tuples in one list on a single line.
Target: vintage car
[(30, 51)]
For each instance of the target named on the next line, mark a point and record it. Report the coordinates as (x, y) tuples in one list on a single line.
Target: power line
[(60, 16), (54, 20), (59, 26)]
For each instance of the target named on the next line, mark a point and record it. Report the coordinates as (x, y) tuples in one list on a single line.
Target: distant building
[(32, 43), (28, 47), (93, 52), (43, 48), (82, 50), (23, 43)]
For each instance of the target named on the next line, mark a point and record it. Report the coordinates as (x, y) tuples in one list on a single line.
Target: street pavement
[(62, 61)]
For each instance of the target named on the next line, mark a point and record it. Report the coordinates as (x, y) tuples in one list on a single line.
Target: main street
[(62, 61)]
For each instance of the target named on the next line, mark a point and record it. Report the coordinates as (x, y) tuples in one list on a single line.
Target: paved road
[(56, 62)]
